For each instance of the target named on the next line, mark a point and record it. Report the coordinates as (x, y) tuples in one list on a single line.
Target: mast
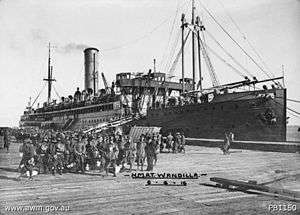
[(154, 65), (193, 42), (49, 79), (182, 48), (200, 28)]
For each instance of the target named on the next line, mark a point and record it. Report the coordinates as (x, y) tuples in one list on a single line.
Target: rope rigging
[(170, 34), (224, 61), (174, 64), (146, 35), (39, 94), (246, 39), (168, 64), (56, 92), (235, 42), (207, 60), (290, 109), (229, 55), (293, 100)]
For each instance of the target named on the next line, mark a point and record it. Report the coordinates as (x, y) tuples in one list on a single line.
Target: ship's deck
[(93, 193)]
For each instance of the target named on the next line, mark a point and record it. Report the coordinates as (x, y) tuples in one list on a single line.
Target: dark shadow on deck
[(9, 169), (2, 177)]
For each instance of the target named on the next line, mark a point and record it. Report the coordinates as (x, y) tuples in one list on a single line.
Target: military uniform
[(41, 156), (52, 156), (177, 142), (226, 144), (130, 152), (169, 142), (6, 140), (27, 161), (140, 152), (60, 150), (150, 153), (182, 147), (112, 153), (79, 156)]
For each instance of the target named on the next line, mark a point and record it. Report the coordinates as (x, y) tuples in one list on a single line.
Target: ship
[(248, 108)]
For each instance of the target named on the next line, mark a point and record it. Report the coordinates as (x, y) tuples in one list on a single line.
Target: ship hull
[(258, 115), (251, 115)]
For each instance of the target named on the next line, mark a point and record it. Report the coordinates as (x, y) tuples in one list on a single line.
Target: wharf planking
[(94, 193)]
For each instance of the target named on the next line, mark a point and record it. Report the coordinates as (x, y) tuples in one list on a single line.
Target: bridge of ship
[(152, 81)]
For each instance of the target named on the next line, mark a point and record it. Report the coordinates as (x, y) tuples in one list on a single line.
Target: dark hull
[(250, 116)]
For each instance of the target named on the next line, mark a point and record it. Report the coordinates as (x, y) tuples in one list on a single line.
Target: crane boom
[(104, 81)]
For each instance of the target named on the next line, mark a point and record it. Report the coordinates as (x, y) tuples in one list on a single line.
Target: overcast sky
[(129, 34)]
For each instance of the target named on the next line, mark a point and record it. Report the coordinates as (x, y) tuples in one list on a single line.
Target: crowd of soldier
[(59, 152)]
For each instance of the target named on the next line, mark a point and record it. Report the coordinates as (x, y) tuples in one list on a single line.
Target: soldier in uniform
[(182, 147), (6, 140), (67, 152), (156, 142), (79, 155), (177, 142), (226, 144), (60, 150), (91, 159), (140, 151), (101, 147), (122, 152), (41, 156), (169, 142), (27, 161), (150, 153), (52, 155), (111, 157), (130, 152)]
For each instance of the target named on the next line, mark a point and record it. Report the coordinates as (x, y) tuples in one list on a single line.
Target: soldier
[(140, 151), (6, 140), (27, 161), (122, 153), (226, 144), (111, 157), (52, 155), (163, 143), (68, 150), (79, 155), (182, 147), (160, 142), (150, 153), (177, 142), (60, 150), (89, 153), (130, 152), (156, 142), (41, 156), (169, 142)]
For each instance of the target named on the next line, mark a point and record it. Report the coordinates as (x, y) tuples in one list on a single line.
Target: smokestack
[(91, 65)]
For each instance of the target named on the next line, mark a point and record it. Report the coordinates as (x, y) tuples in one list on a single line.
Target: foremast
[(50, 78)]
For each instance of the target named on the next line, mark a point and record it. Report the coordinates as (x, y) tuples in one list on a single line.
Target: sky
[(130, 34)]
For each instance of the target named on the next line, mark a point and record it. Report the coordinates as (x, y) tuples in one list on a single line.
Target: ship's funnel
[(91, 69)]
